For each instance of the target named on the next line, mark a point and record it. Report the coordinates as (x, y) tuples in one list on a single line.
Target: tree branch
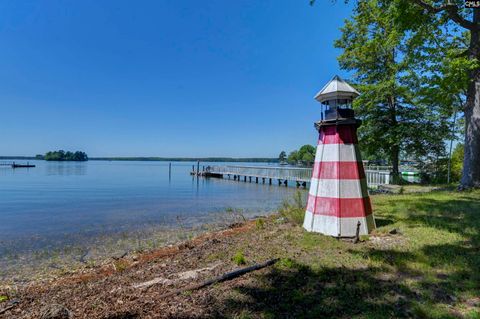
[(452, 11), (464, 54)]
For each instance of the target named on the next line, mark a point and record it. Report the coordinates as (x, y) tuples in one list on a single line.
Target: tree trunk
[(471, 160), (394, 158), (395, 148)]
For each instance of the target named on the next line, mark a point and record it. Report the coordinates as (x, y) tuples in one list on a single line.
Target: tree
[(306, 154), (282, 157), (293, 157), (66, 156), (457, 162), (452, 12), (395, 120)]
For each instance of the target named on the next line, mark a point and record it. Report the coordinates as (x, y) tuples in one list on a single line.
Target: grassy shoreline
[(421, 262)]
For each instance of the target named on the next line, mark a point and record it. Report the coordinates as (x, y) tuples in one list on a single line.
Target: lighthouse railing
[(297, 174)]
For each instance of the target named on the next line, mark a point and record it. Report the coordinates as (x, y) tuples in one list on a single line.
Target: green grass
[(260, 223), (239, 258), (294, 209), (428, 269)]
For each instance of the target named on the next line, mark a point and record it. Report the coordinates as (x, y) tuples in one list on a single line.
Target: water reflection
[(66, 168)]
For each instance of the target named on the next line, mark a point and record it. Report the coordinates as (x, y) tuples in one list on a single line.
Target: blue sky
[(164, 78)]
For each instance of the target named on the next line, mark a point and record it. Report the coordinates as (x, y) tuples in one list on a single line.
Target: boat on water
[(15, 165)]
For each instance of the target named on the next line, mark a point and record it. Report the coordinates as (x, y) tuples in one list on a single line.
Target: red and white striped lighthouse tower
[(338, 201)]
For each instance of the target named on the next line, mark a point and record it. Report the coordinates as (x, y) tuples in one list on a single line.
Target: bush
[(260, 223), (239, 258), (436, 172), (457, 162), (293, 210)]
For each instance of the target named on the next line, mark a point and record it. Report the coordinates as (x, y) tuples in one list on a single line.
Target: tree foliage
[(61, 155), (442, 42), (304, 156), (401, 115)]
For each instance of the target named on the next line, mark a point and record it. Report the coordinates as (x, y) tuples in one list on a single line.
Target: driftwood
[(155, 281), (12, 303), (224, 277), (6, 309), (186, 275)]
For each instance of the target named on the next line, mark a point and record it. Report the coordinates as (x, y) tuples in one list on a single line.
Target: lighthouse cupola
[(336, 98)]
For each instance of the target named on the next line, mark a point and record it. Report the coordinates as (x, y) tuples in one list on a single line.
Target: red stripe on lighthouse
[(339, 207), (338, 170), (341, 134)]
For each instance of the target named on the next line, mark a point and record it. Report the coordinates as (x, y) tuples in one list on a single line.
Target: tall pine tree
[(377, 48)]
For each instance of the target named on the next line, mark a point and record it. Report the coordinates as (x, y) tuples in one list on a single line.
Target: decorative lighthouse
[(338, 202)]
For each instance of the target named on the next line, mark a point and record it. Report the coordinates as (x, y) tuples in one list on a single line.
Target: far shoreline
[(163, 159)]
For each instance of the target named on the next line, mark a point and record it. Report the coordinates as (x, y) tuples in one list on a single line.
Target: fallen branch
[(224, 277), (152, 282), (186, 275), (13, 303), (6, 309)]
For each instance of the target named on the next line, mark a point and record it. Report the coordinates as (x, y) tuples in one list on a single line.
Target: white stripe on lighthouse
[(328, 224), (337, 153), (308, 221), (348, 188)]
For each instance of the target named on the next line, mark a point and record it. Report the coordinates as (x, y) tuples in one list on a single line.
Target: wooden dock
[(280, 175), (16, 165)]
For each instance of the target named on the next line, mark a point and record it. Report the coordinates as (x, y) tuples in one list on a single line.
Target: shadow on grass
[(371, 292), (302, 292), (384, 291), (460, 214), (381, 221)]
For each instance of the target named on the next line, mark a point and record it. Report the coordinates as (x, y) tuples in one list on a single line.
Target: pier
[(16, 165), (299, 176)]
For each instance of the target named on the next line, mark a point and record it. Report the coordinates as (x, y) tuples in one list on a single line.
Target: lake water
[(56, 201)]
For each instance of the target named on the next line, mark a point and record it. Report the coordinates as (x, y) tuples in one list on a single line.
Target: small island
[(61, 155)]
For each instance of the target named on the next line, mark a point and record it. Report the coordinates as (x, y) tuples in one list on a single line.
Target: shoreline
[(66, 257)]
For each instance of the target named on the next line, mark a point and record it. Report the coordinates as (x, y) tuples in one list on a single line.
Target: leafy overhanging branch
[(452, 10)]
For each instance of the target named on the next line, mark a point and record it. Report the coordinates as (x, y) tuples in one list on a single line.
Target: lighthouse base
[(338, 198), (338, 227)]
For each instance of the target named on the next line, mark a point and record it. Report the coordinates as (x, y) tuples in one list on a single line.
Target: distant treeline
[(189, 159), (18, 157), (61, 155), (162, 159)]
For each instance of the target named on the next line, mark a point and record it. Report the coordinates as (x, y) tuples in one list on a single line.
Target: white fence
[(297, 174)]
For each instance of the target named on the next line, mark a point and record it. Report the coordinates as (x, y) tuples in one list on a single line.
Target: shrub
[(239, 258), (260, 223), (288, 263), (293, 209)]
